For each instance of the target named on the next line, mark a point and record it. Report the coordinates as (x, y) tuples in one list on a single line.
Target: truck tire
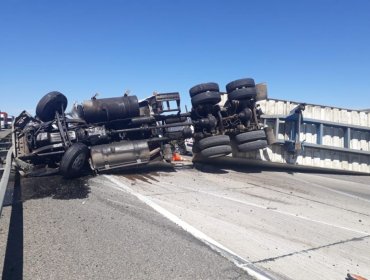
[(252, 146), (74, 160), (52, 102), (250, 136), (203, 88), (216, 151), (212, 141), (238, 84), (243, 93), (209, 97)]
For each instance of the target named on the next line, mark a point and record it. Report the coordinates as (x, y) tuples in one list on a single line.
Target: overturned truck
[(106, 133), (109, 133)]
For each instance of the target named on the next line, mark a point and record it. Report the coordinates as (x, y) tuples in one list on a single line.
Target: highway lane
[(292, 225), (87, 229)]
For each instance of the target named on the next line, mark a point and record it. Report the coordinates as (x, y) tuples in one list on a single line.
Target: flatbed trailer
[(314, 136)]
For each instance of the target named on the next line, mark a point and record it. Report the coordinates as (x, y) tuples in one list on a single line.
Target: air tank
[(110, 109)]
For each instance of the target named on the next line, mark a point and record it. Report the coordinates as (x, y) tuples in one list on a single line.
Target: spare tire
[(52, 102), (241, 83), (203, 88), (243, 93), (212, 141), (209, 97), (74, 160), (217, 151)]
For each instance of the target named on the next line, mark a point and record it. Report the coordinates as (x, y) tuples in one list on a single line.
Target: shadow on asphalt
[(222, 165), (13, 262), (152, 167), (210, 168), (55, 187), (147, 173)]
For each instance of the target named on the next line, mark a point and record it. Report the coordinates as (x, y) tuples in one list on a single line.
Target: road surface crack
[(312, 249)]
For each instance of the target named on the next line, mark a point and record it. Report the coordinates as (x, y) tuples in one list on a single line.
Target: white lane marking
[(227, 253)]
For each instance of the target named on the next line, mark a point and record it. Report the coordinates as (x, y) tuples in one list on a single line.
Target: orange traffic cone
[(176, 157)]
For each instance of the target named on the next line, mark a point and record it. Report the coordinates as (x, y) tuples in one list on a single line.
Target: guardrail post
[(277, 123), (347, 138), (320, 133)]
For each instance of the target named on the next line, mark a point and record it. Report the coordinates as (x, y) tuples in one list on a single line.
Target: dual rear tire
[(213, 146), (251, 141), (241, 89), (206, 93)]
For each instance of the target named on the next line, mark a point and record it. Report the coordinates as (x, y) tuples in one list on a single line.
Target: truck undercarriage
[(117, 132)]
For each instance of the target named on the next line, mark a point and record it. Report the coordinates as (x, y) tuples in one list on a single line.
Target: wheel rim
[(78, 162)]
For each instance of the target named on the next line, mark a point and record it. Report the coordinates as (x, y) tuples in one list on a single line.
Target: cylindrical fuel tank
[(120, 154), (110, 109)]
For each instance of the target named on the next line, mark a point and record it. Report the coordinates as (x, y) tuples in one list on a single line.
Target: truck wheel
[(203, 88), (238, 84), (216, 151), (212, 141), (74, 160), (252, 146), (243, 93), (250, 136), (209, 97), (52, 102)]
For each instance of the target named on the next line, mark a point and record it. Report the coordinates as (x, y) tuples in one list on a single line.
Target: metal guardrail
[(5, 178)]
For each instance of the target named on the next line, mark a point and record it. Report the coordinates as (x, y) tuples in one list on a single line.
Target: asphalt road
[(289, 225), (87, 229)]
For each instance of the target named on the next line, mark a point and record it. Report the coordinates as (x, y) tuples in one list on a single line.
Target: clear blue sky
[(312, 51)]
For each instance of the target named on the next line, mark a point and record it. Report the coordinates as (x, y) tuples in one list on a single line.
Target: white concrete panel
[(332, 137)]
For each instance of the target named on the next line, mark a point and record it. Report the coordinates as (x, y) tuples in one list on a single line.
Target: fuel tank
[(110, 109), (120, 154)]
